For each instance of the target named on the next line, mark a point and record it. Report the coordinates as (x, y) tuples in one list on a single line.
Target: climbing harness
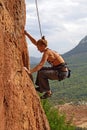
[(38, 18)]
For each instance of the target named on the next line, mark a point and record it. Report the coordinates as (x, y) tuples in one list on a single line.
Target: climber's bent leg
[(42, 79)]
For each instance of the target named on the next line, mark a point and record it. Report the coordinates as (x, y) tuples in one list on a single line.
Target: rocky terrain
[(77, 114)]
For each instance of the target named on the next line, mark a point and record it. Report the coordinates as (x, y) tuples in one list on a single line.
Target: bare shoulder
[(49, 51)]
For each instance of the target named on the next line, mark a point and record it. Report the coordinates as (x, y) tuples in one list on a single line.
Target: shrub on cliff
[(56, 120)]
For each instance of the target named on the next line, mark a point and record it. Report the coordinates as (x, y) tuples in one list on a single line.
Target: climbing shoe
[(46, 95), (38, 89)]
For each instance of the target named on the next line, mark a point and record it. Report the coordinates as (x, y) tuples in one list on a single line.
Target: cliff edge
[(20, 107)]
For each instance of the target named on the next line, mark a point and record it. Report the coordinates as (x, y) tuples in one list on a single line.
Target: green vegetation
[(56, 120)]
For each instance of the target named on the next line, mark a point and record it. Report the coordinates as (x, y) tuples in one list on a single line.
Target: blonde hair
[(42, 41)]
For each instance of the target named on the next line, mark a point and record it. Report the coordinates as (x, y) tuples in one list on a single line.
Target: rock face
[(20, 107)]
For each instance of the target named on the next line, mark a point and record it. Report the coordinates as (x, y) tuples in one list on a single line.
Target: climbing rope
[(38, 18)]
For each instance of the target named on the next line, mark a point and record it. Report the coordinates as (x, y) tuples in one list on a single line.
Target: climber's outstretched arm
[(31, 38)]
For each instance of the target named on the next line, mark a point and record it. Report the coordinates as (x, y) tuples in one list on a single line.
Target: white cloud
[(64, 23)]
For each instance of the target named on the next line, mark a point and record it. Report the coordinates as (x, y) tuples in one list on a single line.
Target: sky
[(63, 23)]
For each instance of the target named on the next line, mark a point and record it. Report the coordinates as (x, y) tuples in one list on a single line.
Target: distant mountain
[(79, 49)]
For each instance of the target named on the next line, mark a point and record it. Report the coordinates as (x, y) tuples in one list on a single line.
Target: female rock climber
[(57, 71)]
